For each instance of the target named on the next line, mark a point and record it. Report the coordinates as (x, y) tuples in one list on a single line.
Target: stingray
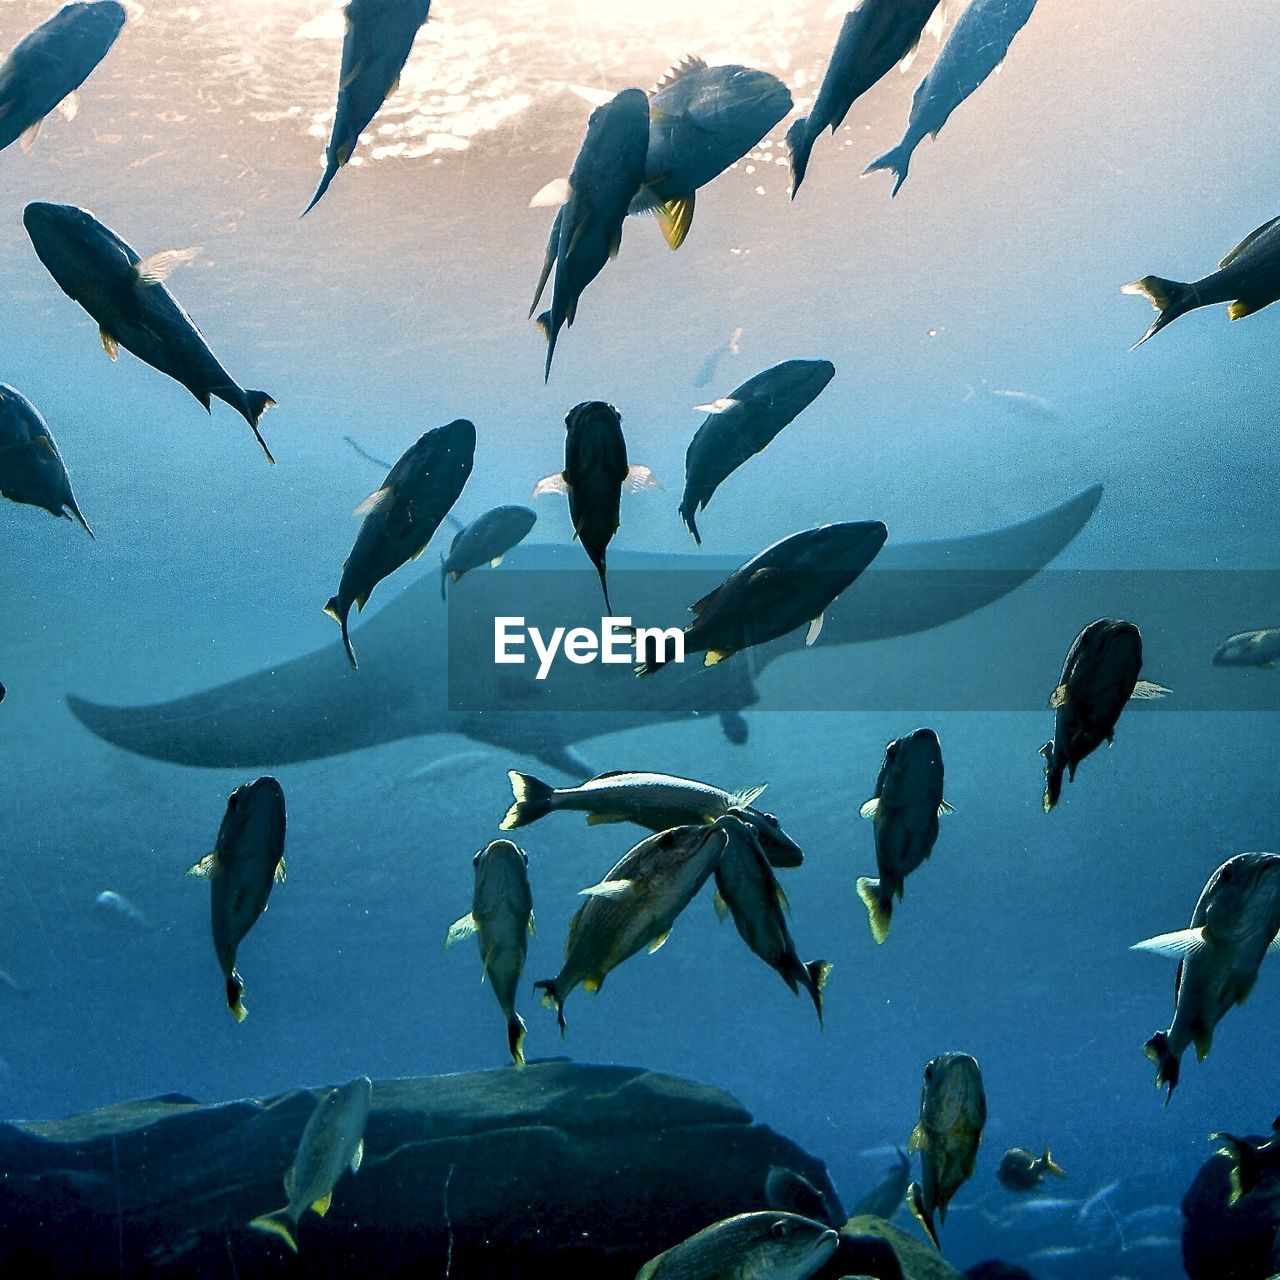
[(315, 706)]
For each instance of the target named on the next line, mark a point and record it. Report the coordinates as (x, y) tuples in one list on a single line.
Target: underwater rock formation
[(1223, 1241), (566, 1169)]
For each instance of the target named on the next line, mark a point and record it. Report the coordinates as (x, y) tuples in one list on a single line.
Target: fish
[(595, 471), (127, 296), (111, 903), (889, 1194), (1251, 1160), (905, 810), (306, 708), (331, 1143), (485, 541), (1022, 1170), (1250, 649), (246, 863), (707, 369), (587, 231), (31, 468), (501, 917), (743, 424), (977, 46), (747, 889), (1235, 923), (401, 515), (1099, 677), (377, 42), (875, 36), (953, 1110), (633, 906), (791, 1192), (49, 64), (765, 1245), (787, 584), (1248, 279), (653, 800)]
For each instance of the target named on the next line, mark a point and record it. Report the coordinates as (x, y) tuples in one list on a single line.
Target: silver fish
[(767, 1245), (1250, 649), (31, 468)]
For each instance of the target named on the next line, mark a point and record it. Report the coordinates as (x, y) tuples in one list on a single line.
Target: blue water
[(1119, 139)]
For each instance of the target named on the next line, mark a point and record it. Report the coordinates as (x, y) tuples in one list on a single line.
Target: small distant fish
[(401, 516), (246, 862), (654, 800), (485, 541), (977, 45), (379, 38), (767, 1245), (905, 810), (707, 370), (126, 295), (1250, 649), (332, 1142), (1235, 923), (1099, 677), (888, 1195), (31, 468), (743, 424), (109, 902), (8, 981), (1027, 403), (791, 1192), (875, 37), (1058, 1253), (1248, 278), (587, 231), (1021, 1170), (1251, 1160), (1168, 1215), (953, 1110), (595, 470), (787, 584), (501, 918), (1101, 1199), (634, 906), (747, 889), (49, 64)]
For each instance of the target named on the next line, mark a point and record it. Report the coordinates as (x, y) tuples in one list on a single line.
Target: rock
[(876, 1240), (1221, 1241), (478, 1177)]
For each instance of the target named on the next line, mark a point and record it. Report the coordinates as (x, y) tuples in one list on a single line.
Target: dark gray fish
[(742, 424), (379, 38), (587, 231), (49, 64), (126, 295), (247, 860), (1235, 923), (787, 584), (1248, 278), (873, 39), (1250, 649), (1098, 678), (905, 809), (595, 469), (501, 917), (747, 888), (485, 541), (401, 515), (953, 1110), (1023, 1170), (976, 47), (887, 1196), (1251, 1160), (767, 1245), (31, 468)]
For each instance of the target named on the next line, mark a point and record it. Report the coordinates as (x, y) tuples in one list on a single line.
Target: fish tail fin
[(604, 584), (334, 610), (277, 1224), (1167, 1063), (256, 403), (879, 906), (551, 996), (915, 1202), (1052, 777), (896, 161), (331, 168), (76, 515), (1051, 1165), (551, 331), (515, 1038), (799, 144), (688, 513), (816, 974), (235, 989), (1171, 298), (532, 800)]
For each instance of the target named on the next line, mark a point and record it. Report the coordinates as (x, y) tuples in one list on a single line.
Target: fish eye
[(779, 1230)]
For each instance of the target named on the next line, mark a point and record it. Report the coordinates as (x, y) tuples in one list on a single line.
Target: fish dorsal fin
[(460, 929), (69, 107), (686, 66), (109, 344), (1058, 698), (321, 1206), (675, 217), (870, 808), (1180, 944), (158, 267), (290, 1181), (357, 1156), (699, 607), (29, 136), (375, 502), (207, 867), (1247, 241)]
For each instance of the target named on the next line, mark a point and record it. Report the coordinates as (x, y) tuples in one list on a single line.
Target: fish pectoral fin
[(459, 929), (1058, 698), (493, 564), (1247, 241), (357, 1156), (69, 107), (720, 905), (593, 984), (1241, 308), (675, 217), (815, 630), (532, 926), (1149, 689), (609, 889), (109, 344), (1178, 945), (1275, 944), (554, 483), (552, 196), (29, 136), (353, 75), (743, 799), (714, 657), (207, 867), (290, 1181), (158, 267), (944, 808), (376, 501), (321, 1206), (599, 819), (918, 1140), (641, 477), (870, 808), (659, 942), (721, 404), (280, 874)]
